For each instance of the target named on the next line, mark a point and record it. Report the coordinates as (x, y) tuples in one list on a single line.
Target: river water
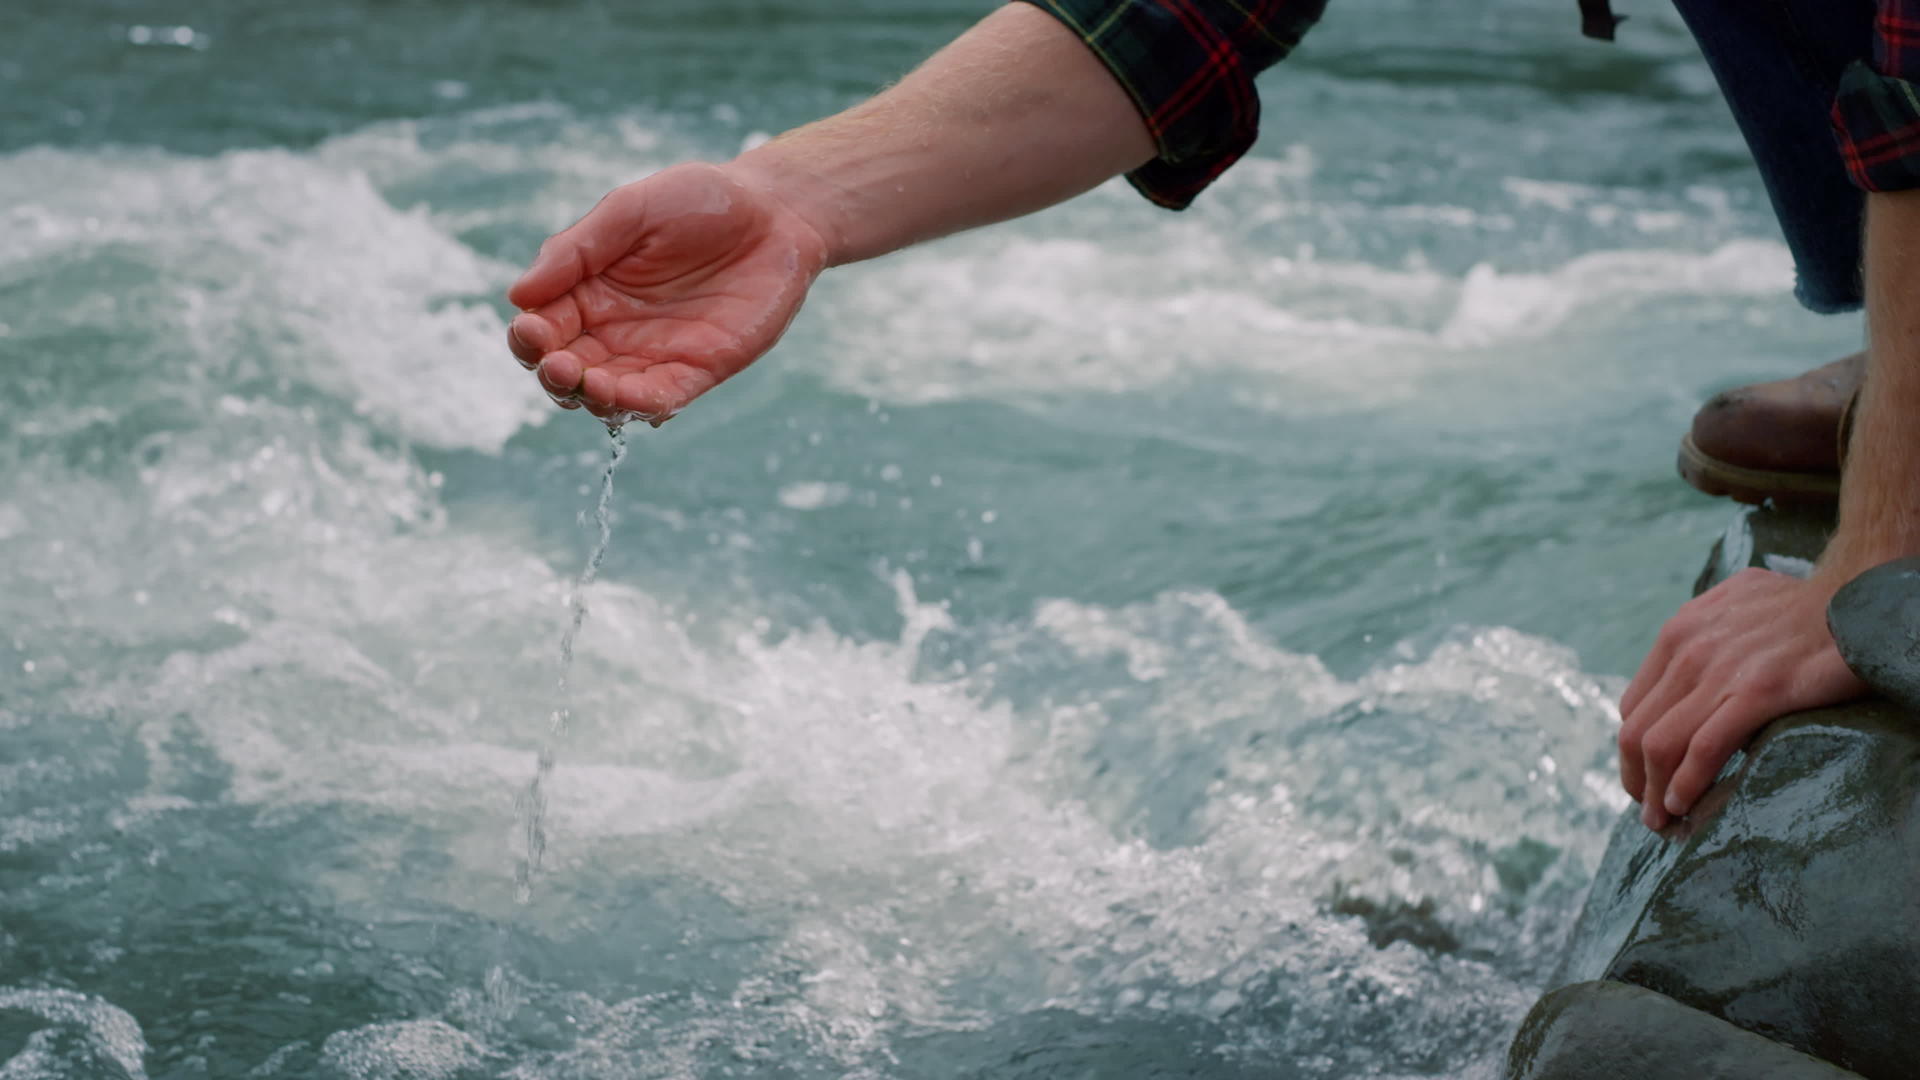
[(1118, 644)]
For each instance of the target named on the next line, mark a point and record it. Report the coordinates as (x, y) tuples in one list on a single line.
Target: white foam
[(577, 161), (107, 1030), (1014, 318), (1554, 194), (911, 831), (37, 1060), (924, 844), (928, 827), (373, 301), (404, 1050), (1495, 307), (836, 782), (274, 261), (814, 495)]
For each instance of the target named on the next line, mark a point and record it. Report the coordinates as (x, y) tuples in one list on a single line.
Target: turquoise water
[(1117, 644)]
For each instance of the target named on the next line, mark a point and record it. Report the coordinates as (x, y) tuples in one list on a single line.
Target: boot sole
[(1754, 486)]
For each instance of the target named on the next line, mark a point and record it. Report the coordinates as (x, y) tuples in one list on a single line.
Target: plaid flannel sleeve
[(1876, 115), (1189, 67)]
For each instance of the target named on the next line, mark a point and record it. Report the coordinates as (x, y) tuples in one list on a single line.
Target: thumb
[(583, 249)]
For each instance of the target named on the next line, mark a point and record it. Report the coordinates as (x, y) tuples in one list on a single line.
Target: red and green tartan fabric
[(1876, 115), (1189, 66)]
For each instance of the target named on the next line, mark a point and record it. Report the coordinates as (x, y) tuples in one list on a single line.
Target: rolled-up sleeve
[(1189, 67), (1876, 114)]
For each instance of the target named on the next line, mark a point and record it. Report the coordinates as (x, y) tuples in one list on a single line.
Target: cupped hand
[(668, 287), (1748, 650)]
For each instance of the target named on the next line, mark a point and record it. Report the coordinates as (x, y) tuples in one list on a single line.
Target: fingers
[(548, 341), (1752, 648), (605, 385), (561, 371), (660, 391), (1668, 677), (1633, 764), (533, 334), (1649, 674), (557, 267), (1677, 631), (1664, 747), (1723, 733), (1634, 722), (586, 247), (597, 388)]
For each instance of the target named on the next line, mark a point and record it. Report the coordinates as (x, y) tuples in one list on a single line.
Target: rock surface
[(1608, 1030), (1875, 620), (1788, 903)]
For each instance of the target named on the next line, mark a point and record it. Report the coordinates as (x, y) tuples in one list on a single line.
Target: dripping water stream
[(533, 804)]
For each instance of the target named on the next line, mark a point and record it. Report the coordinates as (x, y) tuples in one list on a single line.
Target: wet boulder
[(1606, 1030), (1875, 621), (1787, 904)]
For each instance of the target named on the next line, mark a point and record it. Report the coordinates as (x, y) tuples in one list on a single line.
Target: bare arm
[(1880, 501), (674, 283), (1014, 116)]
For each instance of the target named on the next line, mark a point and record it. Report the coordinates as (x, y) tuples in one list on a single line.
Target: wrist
[(775, 171), (1880, 491)]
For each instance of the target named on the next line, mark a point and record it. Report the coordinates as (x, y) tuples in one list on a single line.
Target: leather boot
[(1781, 440)]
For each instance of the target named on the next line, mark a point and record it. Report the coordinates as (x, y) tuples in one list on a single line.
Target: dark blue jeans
[(1779, 63)]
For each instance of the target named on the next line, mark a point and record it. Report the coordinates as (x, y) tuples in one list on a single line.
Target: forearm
[(1014, 116), (1880, 498)]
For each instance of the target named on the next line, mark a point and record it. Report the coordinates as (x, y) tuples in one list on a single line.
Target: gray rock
[(1608, 1030), (1788, 903), (1769, 538), (1875, 620)]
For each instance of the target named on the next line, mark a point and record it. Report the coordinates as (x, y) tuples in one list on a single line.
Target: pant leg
[(1779, 64)]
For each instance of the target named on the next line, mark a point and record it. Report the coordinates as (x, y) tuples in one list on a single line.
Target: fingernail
[(1675, 806)]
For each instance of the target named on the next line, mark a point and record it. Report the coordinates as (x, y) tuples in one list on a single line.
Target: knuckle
[(1629, 741), (1679, 625), (1694, 657), (1711, 748), (1765, 684), (1686, 628), (1663, 749)]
